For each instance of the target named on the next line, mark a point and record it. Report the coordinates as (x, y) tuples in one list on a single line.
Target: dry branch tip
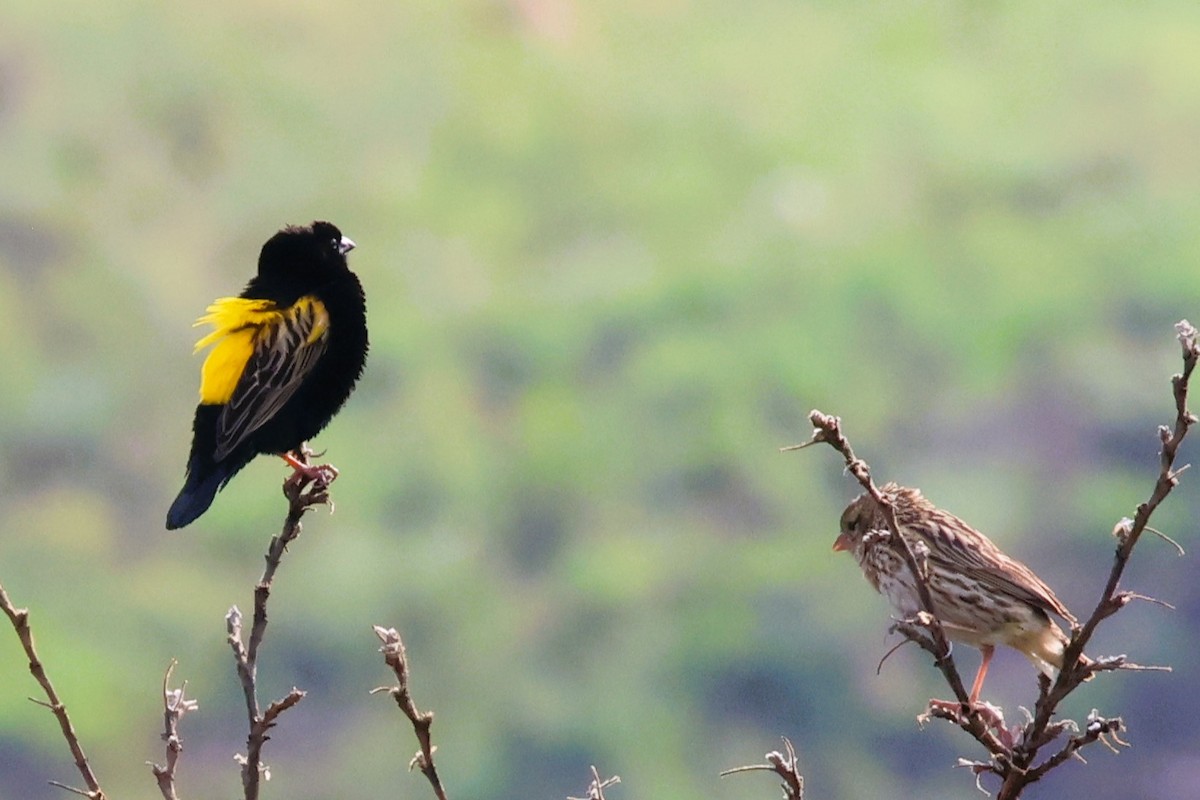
[(784, 765), (597, 786)]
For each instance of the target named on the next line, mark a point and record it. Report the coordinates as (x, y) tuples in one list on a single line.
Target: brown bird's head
[(864, 514)]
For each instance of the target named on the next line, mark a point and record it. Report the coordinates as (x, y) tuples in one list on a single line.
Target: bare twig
[(395, 657), (1122, 526), (20, 622), (303, 491), (786, 766), (175, 705), (71, 789), (596, 788)]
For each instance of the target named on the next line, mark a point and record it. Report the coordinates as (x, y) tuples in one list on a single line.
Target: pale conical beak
[(842, 542), (346, 246)]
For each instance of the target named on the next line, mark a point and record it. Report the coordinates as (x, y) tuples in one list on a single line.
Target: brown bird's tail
[(1045, 648)]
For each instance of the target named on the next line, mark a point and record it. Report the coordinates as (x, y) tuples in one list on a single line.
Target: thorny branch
[(175, 705), (785, 766), (303, 491), (1040, 731), (395, 657), (20, 622), (1014, 752)]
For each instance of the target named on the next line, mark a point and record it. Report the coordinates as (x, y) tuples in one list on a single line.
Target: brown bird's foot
[(956, 712)]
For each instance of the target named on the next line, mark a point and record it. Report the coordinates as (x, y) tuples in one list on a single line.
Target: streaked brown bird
[(981, 596)]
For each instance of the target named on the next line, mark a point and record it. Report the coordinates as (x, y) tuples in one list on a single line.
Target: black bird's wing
[(285, 349)]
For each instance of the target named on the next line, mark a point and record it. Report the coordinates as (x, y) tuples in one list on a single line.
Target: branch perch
[(175, 705), (19, 617), (787, 767), (303, 492), (396, 658)]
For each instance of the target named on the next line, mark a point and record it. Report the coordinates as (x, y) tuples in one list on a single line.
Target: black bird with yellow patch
[(285, 355)]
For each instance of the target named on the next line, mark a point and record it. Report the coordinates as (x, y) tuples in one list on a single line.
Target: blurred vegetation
[(614, 252)]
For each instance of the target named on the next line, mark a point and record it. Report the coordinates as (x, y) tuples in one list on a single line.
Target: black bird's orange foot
[(308, 485), (320, 475)]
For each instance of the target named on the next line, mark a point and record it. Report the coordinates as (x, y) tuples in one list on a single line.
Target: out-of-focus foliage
[(614, 252)]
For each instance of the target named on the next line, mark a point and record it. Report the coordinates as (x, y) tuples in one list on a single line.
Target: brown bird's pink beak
[(842, 542)]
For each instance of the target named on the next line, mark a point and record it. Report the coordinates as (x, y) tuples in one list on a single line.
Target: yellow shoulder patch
[(239, 325), (236, 322)]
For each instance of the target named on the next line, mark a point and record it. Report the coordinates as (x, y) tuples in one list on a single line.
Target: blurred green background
[(614, 252)]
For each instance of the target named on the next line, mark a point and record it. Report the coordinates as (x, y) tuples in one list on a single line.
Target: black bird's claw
[(320, 474), (314, 477), (303, 453)]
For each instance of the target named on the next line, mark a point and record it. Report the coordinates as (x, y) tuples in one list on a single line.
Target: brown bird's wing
[(981, 560), (285, 350)]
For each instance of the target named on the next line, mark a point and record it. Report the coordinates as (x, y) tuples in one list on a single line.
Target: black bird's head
[(306, 254)]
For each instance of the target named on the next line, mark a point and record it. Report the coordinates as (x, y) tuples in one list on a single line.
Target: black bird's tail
[(197, 495)]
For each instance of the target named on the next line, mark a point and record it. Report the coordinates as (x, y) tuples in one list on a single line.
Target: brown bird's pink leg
[(991, 715), (987, 650)]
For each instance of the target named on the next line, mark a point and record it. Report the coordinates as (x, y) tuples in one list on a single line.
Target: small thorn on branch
[(1129, 597), (82, 793), (979, 768), (1124, 528), (277, 707), (826, 428), (1121, 662), (888, 654), (1178, 547)]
